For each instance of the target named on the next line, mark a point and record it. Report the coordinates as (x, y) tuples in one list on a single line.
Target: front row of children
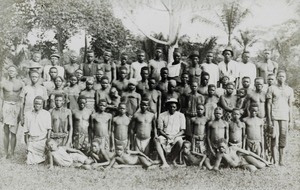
[(112, 139)]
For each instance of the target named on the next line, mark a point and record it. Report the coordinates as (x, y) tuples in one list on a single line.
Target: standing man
[(72, 66), (37, 130), (247, 69), (229, 67), (10, 90), (137, 66), (280, 99), (157, 64), (211, 68), (177, 67), (91, 66), (267, 67)]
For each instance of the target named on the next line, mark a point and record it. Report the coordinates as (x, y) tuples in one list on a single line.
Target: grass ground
[(14, 174)]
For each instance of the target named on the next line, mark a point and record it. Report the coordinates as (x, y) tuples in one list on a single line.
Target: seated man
[(236, 157), (171, 127)]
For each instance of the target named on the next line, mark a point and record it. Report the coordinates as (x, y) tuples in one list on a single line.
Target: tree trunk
[(85, 47), (229, 40), (170, 51), (59, 41)]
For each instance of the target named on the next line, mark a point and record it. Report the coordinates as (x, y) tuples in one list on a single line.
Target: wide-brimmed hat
[(228, 48), (194, 54)]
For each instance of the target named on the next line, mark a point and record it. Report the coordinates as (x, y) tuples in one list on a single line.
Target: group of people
[(104, 113)]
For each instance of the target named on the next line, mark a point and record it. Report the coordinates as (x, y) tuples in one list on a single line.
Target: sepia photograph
[(149, 94)]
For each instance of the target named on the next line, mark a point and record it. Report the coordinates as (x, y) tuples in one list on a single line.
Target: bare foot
[(281, 163), (165, 166), (151, 167)]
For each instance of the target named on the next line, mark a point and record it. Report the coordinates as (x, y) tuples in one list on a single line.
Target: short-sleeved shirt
[(37, 124), (29, 92), (171, 124), (280, 98), (136, 67), (231, 70)]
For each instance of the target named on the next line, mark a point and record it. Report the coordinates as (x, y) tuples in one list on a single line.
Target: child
[(63, 156), (228, 101), (62, 124), (246, 82), (193, 99), (222, 86), (198, 124), (122, 83), (58, 82), (254, 132), (130, 158), (211, 102), (124, 63), (103, 93), (115, 99), (72, 91), (101, 125), (171, 93), (131, 98), (99, 157), (203, 88), (80, 79), (258, 96), (98, 76), (242, 101), (236, 130), (49, 85), (154, 97), (89, 93), (81, 124), (142, 85), (189, 157), (217, 129), (184, 89), (108, 67), (238, 158), (120, 133)]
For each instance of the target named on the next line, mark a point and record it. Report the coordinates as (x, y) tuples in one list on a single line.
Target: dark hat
[(55, 55), (194, 54), (228, 48)]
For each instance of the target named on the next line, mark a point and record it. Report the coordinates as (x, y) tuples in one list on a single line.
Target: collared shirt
[(171, 124), (230, 70), (37, 123)]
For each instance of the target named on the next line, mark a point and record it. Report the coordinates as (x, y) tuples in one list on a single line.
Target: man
[(34, 62), (280, 99), (72, 66), (267, 67), (247, 68), (91, 66), (211, 68), (157, 64), (171, 128), (54, 58), (10, 109), (37, 130), (137, 66), (177, 67), (229, 67), (108, 66)]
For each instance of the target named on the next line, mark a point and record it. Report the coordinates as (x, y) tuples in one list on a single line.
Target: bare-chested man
[(10, 90), (72, 66), (62, 124), (90, 94), (154, 97), (120, 129), (217, 129), (267, 67), (143, 122), (236, 130), (81, 124), (122, 82), (258, 96), (101, 125)]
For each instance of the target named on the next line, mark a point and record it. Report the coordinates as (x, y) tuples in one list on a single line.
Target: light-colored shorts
[(141, 145), (168, 144), (11, 112)]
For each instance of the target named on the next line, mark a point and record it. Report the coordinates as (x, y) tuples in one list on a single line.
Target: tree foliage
[(231, 16), (246, 39)]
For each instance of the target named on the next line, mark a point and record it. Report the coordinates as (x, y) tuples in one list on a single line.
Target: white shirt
[(60, 72), (37, 124), (249, 70), (213, 71), (29, 92), (171, 124), (231, 70), (136, 67)]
